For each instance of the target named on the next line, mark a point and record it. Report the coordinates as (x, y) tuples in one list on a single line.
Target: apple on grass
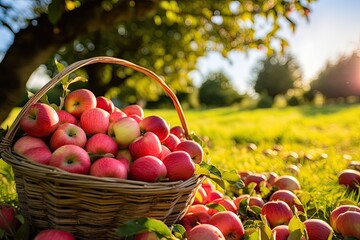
[(155, 124), (146, 236), (95, 120), (71, 158), (54, 234), (318, 229), (109, 167), (40, 120), (277, 213), (101, 143), (192, 219), (134, 109), (67, 133), (179, 166), (214, 194), (27, 142), (124, 131), (339, 210), (66, 117), (145, 145), (200, 196), (348, 224), (105, 103), (148, 169), (8, 221), (193, 148), (78, 101), (227, 203), (229, 224), (280, 232), (289, 197), (287, 182), (257, 179), (205, 231), (349, 178)]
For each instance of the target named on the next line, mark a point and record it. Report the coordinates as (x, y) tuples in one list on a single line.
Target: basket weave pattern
[(92, 207)]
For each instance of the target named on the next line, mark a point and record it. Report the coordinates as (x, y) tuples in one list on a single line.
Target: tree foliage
[(276, 75), (166, 36)]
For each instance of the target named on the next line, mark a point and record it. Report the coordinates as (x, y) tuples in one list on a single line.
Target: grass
[(311, 132)]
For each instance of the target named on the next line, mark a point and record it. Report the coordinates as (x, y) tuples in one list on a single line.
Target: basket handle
[(101, 59)]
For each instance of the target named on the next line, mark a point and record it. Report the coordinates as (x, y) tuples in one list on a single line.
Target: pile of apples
[(90, 135), (205, 220)]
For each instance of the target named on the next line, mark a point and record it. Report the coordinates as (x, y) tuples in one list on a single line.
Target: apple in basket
[(179, 166), (27, 142), (134, 109), (109, 167), (124, 130), (148, 169), (40, 120), (54, 234), (105, 103), (145, 145), (157, 125), (66, 117), (67, 133), (193, 148), (78, 101), (71, 158), (101, 143), (95, 120)]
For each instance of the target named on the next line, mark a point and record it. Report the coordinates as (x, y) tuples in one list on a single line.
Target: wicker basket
[(92, 207)]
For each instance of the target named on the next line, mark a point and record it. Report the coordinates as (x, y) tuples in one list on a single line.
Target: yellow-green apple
[(339, 210), (147, 169), (349, 177), (287, 182), (178, 131), (71, 158), (287, 196), (27, 142), (155, 124), (280, 232), (348, 224), (134, 109), (164, 152), (227, 203), (108, 167), (105, 103), (54, 234), (67, 133), (277, 213), (146, 236), (116, 115), (179, 166), (145, 145), (193, 148), (205, 231), (318, 229), (229, 224), (192, 219), (101, 143), (38, 154), (256, 178), (8, 221), (66, 117), (200, 196), (95, 120), (171, 141), (40, 120), (124, 130), (78, 101)]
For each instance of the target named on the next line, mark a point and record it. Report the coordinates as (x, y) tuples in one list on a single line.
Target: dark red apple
[(277, 213), (318, 229)]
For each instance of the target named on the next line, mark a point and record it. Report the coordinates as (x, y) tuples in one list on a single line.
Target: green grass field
[(325, 139)]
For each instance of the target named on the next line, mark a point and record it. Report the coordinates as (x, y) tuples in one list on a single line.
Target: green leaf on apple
[(233, 177), (211, 172), (178, 231), (216, 206), (134, 227), (296, 228)]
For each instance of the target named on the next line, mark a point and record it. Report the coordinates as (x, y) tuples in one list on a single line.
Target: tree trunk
[(35, 44)]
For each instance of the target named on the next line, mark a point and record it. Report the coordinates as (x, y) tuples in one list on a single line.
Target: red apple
[(125, 130), (271, 178), (146, 236), (78, 101), (289, 197), (200, 196), (257, 178), (193, 148), (205, 231), (27, 142), (277, 213), (164, 152), (146, 145), (39, 154), (179, 166), (208, 186), (54, 234), (171, 141), (214, 194), (241, 198), (349, 177), (244, 174), (348, 224), (227, 203), (280, 232), (157, 125), (137, 118), (105, 103), (95, 120), (197, 208), (101, 143), (192, 219), (67, 133), (109, 167), (318, 229), (8, 221), (178, 131), (134, 109), (229, 224), (127, 163), (339, 210), (148, 169), (116, 115), (287, 182), (256, 201), (71, 158), (66, 117), (40, 120)]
